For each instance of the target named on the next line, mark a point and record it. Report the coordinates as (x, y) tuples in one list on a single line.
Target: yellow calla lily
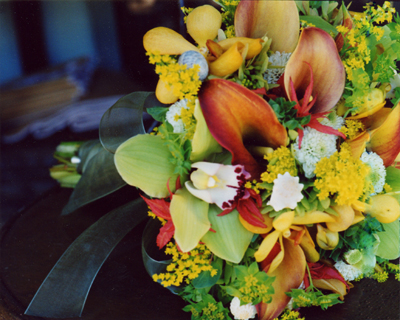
[(254, 19), (255, 45), (313, 217), (344, 219)]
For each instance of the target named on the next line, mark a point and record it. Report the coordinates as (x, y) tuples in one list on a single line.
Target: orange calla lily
[(382, 135), (254, 19), (317, 48), (289, 275), (236, 116)]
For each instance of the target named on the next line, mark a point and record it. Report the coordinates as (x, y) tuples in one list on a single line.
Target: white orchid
[(286, 192)]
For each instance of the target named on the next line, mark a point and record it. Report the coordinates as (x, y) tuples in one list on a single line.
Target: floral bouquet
[(271, 176)]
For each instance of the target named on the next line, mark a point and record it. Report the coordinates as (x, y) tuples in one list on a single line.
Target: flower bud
[(327, 239)]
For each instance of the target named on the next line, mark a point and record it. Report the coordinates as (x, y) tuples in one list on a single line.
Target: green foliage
[(313, 297), (396, 98), (359, 236), (207, 309), (179, 148), (287, 114), (205, 280), (158, 113), (251, 285)]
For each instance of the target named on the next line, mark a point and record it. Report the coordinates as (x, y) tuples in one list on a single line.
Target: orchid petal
[(317, 48), (266, 245), (278, 259), (283, 221), (313, 217), (385, 141), (142, 161), (254, 19), (190, 217), (288, 275), (203, 23), (235, 116), (255, 45), (267, 221), (228, 62), (230, 239), (163, 40), (203, 143)]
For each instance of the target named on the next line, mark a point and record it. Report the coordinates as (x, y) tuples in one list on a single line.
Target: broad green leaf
[(158, 113), (389, 247), (143, 161), (230, 239), (205, 280), (100, 178), (64, 291), (86, 152), (393, 180), (122, 120), (154, 259), (203, 143), (320, 23), (189, 215)]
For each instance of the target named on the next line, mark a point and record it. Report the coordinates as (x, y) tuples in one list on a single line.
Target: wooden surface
[(34, 240)]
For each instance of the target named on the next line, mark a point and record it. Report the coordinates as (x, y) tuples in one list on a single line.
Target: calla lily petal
[(166, 41), (385, 141), (344, 219), (317, 48), (255, 45), (267, 245), (164, 93), (289, 275), (228, 62), (358, 144), (235, 116), (203, 23), (278, 259), (334, 285), (254, 19)]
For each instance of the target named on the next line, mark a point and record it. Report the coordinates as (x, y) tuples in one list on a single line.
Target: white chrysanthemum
[(286, 192), (278, 61), (336, 123), (314, 146), (245, 312), (173, 116), (394, 83), (348, 271), (377, 174)]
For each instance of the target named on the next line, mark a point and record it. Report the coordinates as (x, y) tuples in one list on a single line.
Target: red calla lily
[(318, 49), (237, 117)]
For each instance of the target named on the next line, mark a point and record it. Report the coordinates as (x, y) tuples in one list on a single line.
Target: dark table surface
[(33, 241)]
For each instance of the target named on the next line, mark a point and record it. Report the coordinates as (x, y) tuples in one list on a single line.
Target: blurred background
[(62, 64)]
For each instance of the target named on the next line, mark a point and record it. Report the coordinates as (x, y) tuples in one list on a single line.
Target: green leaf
[(230, 239), (320, 23), (158, 113), (189, 215), (393, 180), (389, 247), (100, 178), (64, 291), (205, 280), (143, 162), (123, 120), (86, 152)]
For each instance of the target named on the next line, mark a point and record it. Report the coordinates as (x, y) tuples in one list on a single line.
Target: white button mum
[(277, 61), (245, 312), (377, 174), (348, 271), (315, 146), (173, 116), (286, 192)]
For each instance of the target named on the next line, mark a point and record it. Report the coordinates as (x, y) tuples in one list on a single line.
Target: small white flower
[(173, 115), (216, 183), (394, 83), (348, 271), (377, 174), (336, 123), (245, 312), (314, 146), (286, 192), (277, 60)]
